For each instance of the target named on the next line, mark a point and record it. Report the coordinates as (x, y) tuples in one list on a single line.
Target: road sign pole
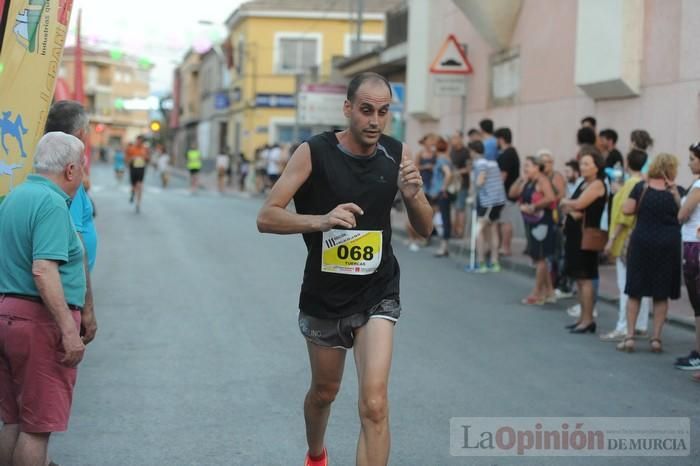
[(463, 124)]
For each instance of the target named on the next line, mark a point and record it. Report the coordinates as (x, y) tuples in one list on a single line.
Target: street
[(199, 361)]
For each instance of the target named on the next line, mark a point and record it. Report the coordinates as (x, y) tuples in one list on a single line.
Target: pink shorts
[(36, 390)]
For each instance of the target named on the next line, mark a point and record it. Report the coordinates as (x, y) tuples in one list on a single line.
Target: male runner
[(343, 185), (137, 157)]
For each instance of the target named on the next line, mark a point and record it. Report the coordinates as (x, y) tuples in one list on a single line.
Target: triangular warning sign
[(451, 59)]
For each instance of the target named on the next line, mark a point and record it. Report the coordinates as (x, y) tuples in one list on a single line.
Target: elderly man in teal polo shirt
[(42, 295)]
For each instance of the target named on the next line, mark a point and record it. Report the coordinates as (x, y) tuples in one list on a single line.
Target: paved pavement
[(198, 360)]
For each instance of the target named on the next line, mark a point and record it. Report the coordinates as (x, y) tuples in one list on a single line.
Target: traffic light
[(155, 126)]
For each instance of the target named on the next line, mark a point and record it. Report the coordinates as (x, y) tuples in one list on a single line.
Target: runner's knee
[(324, 393), (374, 406)]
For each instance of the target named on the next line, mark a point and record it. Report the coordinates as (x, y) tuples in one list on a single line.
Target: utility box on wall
[(609, 47)]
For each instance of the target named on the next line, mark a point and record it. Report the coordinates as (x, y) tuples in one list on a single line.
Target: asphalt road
[(199, 361)]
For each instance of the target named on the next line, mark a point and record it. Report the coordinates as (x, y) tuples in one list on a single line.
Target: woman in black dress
[(654, 253), (589, 201)]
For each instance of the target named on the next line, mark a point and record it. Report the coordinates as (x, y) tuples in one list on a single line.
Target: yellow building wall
[(260, 76)]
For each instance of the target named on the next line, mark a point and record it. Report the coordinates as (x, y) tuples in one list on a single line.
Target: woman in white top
[(163, 162), (223, 162), (689, 215)]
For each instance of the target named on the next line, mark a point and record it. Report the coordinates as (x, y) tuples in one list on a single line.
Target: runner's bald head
[(362, 78)]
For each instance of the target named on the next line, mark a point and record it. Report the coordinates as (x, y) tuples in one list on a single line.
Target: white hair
[(542, 152), (56, 151)]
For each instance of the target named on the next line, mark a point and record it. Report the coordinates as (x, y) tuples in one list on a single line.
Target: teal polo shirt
[(81, 212), (35, 224)]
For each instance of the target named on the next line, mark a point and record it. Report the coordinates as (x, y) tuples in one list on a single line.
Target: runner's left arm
[(420, 213)]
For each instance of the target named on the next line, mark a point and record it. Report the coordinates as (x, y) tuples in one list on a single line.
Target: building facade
[(277, 46), (212, 132), (389, 61), (542, 65), (116, 91)]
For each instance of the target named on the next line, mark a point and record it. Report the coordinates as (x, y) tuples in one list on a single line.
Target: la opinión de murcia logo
[(558, 437)]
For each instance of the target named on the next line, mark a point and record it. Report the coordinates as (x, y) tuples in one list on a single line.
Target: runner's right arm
[(274, 216)]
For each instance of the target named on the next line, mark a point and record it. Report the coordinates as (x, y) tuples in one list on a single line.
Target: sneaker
[(320, 462), (575, 311), (413, 247), (615, 335), (563, 294), (689, 363), (495, 268), (483, 268)]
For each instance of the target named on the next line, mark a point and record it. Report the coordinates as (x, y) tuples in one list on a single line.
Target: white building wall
[(550, 106)]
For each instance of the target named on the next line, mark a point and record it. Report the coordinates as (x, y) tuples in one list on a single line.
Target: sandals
[(656, 345), (533, 301), (626, 345)]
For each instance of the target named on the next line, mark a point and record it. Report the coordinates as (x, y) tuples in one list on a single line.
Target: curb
[(528, 270)]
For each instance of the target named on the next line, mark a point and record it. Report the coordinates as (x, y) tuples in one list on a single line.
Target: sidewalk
[(680, 312)]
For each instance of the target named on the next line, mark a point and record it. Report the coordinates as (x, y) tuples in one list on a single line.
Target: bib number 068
[(355, 253)]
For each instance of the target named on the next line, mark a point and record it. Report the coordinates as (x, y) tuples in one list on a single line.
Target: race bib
[(351, 252), (139, 163)]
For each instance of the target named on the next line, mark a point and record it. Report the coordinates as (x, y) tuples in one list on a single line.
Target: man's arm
[(420, 213), (274, 216), (688, 208), (78, 210), (88, 321), (48, 282)]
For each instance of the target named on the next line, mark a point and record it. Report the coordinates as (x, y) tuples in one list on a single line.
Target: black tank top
[(338, 177)]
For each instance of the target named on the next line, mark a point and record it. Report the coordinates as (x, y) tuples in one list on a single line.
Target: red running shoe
[(322, 461)]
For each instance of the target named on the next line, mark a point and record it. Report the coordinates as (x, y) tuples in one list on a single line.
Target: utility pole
[(358, 39)]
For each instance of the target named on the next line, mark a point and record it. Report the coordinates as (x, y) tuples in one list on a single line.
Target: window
[(90, 104), (505, 77), (297, 54), (92, 73)]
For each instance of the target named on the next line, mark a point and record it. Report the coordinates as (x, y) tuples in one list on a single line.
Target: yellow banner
[(31, 52)]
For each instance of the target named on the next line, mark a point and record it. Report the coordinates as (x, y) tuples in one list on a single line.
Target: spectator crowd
[(601, 207)]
